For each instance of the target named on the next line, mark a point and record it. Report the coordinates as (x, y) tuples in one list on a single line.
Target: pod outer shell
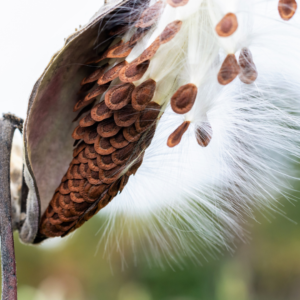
[(47, 132)]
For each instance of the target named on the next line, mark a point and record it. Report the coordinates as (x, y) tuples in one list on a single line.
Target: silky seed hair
[(188, 121)]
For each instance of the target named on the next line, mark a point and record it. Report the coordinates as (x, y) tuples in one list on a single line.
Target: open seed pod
[(64, 191)]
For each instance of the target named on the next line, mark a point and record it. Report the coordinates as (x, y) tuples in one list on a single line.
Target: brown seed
[(204, 135), (105, 162), (101, 112), (112, 74), (130, 134), (93, 177), (143, 94), (139, 34), (184, 99), (150, 15), (85, 88), (114, 188), (64, 188), (126, 116), (175, 138), (82, 103), (74, 185), (170, 31), (103, 146), (134, 168), (120, 51), (83, 169), (176, 3), (98, 90), (119, 96), (287, 9), (149, 52), (90, 135), (120, 156), (107, 128), (134, 71), (92, 163), (86, 109), (83, 158), (73, 172), (227, 26), (110, 176), (78, 149), (147, 117), (95, 192), (248, 69), (229, 70), (123, 183), (90, 152), (95, 75), (87, 121), (76, 197), (78, 133), (118, 141)]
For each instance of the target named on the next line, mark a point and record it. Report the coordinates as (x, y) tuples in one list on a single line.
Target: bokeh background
[(266, 267)]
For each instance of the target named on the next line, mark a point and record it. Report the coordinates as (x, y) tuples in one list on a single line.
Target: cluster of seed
[(121, 114)]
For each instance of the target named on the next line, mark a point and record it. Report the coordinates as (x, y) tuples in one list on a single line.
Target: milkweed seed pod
[(177, 116)]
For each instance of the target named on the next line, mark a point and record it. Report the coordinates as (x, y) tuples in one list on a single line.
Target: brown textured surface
[(175, 138), (248, 69), (111, 151), (150, 15), (287, 9), (184, 99), (229, 70), (227, 26)]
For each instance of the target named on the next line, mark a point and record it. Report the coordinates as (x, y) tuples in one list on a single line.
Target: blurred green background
[(266, 268)]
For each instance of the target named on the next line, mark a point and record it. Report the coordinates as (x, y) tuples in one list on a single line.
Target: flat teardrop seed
[(248, 69), (130, 134), (87, 121), (227, 26), (287, 9), (112, 74), (126, 116), (118, 141), (138, 35), (101, 112), (120, 51), (78, 133), (229, 70), (184, 99), (204, 135), (175, 138), (105, 162), (90, 135), (134, 71), (176, 3), (149, 52), (147, 117), (98, 90), (107, 128), (119, 96), (95, 75), (170, 31), (150, 15), (120, 156), (103, 146), (143, 94)]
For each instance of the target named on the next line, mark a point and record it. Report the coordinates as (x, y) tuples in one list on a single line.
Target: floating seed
[(134, 71), (147, 117), (130, 134), (112, 74), (103, 146), (204, 136), (184, 99), (119, 96), (248, 69), (101, 112), (95, 75), (176, 3), (118, 141), (126, 116), (150, 15), (170, 31), (105, 162), (287, 9), (227, 26), (143, 94), (87, 121), (99, 89), (175, 138), (229, 70), (107, 128)]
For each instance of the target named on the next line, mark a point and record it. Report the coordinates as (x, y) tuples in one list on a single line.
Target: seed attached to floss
[(184, 99), (111, 74), (248, 69), (176, 3), (287, 9), (134, 71), (229, 70), (101, 112), (204, 135), (170, 32), (120, 51), (143, 94), (126, 116), (119, 96), (175, 138), (150, 15), (227, 26)]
